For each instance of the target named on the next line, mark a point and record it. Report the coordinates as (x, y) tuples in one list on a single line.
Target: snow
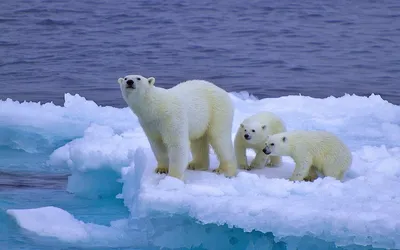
[(109, 155), (50, 221)]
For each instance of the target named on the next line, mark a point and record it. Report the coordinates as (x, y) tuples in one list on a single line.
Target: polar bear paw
[(312, 176), (269, 162), (226, 169), (309, 179), (246, 167), (197, 166), (273, 161), (218, 171), (161, 170)]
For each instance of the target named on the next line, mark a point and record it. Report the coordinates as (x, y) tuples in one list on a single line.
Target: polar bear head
[(278, 145), (253, 132), (134, 86)]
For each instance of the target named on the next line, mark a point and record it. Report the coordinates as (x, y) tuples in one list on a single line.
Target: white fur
[(312, 151), (257, 127), (194, 111)]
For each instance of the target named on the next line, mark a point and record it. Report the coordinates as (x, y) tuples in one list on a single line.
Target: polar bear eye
[(253, 130), (138, 79), (126, 78), (272, 144)]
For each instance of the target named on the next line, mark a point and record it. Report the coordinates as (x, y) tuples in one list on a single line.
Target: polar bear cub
[(194, 112), (311, 151), (252, 134)]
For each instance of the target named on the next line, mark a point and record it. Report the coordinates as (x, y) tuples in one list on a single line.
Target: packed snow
[(109, 155)]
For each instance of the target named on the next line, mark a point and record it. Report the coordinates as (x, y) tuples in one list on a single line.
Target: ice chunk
[(264, 200), (96, 160), (58, 223), (36, 127), (50, 221), (100, 148), (362, 209), (132, 179)]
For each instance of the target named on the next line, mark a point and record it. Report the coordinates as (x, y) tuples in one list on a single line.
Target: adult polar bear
[(194, 111)]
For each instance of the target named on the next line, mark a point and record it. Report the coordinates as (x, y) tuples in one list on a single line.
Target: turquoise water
[(102, 211)]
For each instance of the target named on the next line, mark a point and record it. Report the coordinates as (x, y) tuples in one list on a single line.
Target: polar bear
[(312, 151), (252, 133), (194, 112)]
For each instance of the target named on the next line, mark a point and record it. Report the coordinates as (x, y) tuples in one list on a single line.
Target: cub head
[(134, 85), (253, 133), (278, 145)]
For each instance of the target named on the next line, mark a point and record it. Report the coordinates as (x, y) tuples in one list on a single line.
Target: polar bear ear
[(241, 125), (151, 80), (264, 127), (284, 139), (120, 80)]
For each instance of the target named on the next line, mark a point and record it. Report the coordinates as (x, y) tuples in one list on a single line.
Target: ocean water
[(76, 170), (269, 48)]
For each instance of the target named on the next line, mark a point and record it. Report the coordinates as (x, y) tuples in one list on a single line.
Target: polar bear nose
[(266, 151), (129, 82), (247, 136)]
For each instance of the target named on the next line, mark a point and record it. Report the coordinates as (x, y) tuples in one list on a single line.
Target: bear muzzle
[(247, 136), (266, 150), (130, 84)]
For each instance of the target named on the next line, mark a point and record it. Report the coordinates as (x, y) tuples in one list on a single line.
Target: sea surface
[(315, 48), (71, 160)]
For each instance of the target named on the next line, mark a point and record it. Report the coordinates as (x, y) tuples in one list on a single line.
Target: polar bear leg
[(160, 152), (223, 148), (259, 161), (301, 170), (240, 152), (312, 174), (200, 153), (178, 160), (334, 172), (274, 160), (176, 138)]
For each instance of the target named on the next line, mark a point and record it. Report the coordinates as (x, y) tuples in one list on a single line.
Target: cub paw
[(161, 170), (274, 161), (269, 163)]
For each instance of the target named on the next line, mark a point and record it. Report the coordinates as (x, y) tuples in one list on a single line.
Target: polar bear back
[(204, 104), (326, 149)]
